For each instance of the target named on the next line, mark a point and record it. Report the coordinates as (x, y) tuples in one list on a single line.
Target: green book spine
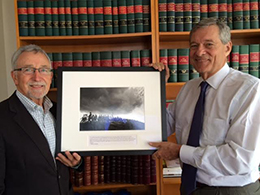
[(235, 57), (75, 17), (55, 18), (162, 15), (77, 59), (172, 64), (187, 15), (254, 14), (22, 18), (204, 9), (106, 59), (116, 59), (122, 16), (246, 14), (183, 65), (193, 72), (135, 58), (195, 11), (125, 58), (238, 14), (99, 17), (67, 59), (222, 11), (108, 24), (228, 60), (96, 59), (39, 18), (179, 15), (87, 59), (31, 18), (91, 18), (51, 59), (57, 62), (68, 19), (48, 18), (244, 58), (62, 20), (254, 60), (164, 56), (145, 56), (171, 15), (83, 17), (146, 15), (230, 14), (115, 17), (213, 8), (130, 16), (139, 26)]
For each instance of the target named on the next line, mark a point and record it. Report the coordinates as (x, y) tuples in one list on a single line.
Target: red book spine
[(146, 169), (87, 171), (101, 167), (153, 170), (140, 170), (118, 169), (135, 169), (107, 169), (113, 168), (94, 170)]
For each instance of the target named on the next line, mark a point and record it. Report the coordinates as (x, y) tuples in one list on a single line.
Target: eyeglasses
[(31, 70)]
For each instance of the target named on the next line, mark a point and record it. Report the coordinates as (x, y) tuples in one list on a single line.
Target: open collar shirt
[(42, 117), (229, 151)]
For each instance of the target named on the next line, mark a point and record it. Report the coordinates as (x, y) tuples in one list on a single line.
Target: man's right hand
[(160, 66)]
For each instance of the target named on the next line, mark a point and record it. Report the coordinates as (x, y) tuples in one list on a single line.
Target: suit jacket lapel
[(27, 123)]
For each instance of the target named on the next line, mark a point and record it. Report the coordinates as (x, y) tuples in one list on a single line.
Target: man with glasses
[(28, 162)]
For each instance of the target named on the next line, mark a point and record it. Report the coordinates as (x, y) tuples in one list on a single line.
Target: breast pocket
[(214, 131)]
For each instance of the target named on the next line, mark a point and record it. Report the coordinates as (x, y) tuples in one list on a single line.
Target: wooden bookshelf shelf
[(138, 188), (114, 42), (172, 90), (172, 180)]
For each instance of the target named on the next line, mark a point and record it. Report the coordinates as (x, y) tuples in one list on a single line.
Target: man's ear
[(228, 48), (14, 77)]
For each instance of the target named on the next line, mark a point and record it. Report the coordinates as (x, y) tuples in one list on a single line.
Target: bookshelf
[(153, 40)]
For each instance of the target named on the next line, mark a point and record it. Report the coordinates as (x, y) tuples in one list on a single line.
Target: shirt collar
[(215, 80), (32, 106)]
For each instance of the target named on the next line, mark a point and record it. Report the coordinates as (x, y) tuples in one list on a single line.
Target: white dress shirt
[(229, 152), (43, 118)]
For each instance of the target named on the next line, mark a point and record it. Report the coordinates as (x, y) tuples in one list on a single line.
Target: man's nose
[(36, 74), (200, 51)]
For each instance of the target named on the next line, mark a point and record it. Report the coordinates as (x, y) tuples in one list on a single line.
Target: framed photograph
[(110, 111)]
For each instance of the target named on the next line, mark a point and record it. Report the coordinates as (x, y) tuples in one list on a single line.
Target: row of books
[(180, 15), (243, 57), (134, 169), (134, 58), (178, 63), (246, 58), (83, 17)]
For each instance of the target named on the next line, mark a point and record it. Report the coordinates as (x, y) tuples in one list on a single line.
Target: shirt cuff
[(186, 154), (77, 166)]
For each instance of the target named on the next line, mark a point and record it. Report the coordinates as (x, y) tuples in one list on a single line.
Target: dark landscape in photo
[(117, 108)]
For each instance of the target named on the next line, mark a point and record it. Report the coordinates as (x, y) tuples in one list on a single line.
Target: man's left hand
[(70, 160)]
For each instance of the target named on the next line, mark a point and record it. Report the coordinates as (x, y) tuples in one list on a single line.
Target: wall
[(7, 47)]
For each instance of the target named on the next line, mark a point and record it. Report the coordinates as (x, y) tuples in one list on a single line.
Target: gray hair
[(27, 48), (224, 30)]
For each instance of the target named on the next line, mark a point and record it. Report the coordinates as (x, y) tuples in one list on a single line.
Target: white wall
[(7, 47)]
